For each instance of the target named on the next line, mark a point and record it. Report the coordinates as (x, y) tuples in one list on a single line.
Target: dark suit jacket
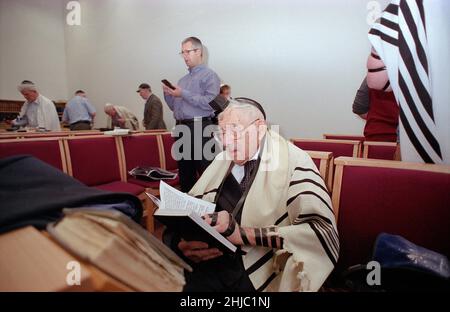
[(153, 114)]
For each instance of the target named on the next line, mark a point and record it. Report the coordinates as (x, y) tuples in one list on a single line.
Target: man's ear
[(262, 127)]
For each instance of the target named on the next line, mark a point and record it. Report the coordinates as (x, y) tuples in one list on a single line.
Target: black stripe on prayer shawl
[(375, 56), (375, 70), (307, 215), (324, 244), (328, 232), (383, 36), (324, 223), (414, 33), (412, 137), (389, 24), (386, 85), (206, 193), (392, 8), (309, 181), (307, 169), (422, 92), (290, 200), (266, 283), (415, 112), (422, 12), (281, 219), (328, 239), (260, 262)]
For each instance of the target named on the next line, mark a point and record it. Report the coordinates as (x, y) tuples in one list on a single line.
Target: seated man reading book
[(270, 202)]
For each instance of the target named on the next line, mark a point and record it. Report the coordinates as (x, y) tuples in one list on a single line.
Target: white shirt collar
[(238, 171)]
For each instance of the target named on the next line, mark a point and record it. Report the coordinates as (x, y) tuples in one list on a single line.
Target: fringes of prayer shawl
[(287, 192)]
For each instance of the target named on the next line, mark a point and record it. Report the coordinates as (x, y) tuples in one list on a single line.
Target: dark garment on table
[(34, 193), (190, 169)]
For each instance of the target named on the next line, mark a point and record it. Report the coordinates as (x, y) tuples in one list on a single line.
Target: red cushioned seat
[(338, 149), (45, 150), (122, 187), (168, 141), (406, 202), (94, 160), (134, 156), (142, 151), (380, 152)]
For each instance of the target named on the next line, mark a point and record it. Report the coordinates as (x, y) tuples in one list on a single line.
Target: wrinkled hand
[(198, 251)]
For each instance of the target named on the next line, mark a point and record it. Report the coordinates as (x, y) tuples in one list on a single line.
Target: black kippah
[(245, 100)]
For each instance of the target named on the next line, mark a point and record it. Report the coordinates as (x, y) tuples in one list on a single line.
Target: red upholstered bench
[(374, 196), (348, 137), (337, 147), (144, 149), (49, 150), (379, 150), (96, 161), (168, 160)]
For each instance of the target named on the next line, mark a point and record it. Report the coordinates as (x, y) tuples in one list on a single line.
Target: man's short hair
[(196, 43), (79, 91), (26, 85), (108, 107), (144, 86), (224, 87)]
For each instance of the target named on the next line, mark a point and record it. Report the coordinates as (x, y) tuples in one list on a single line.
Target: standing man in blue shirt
[(79, 113), (189, 102)]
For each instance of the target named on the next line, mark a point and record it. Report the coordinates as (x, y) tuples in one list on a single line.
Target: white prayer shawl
[(131, 122), (288, 192), (413, 40), (47, 117)]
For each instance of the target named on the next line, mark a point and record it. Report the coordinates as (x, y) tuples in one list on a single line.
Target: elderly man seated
[(270, 202), (119, 116), (38, 111)]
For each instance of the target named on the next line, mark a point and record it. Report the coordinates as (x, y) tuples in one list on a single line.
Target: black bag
[(152, 174)]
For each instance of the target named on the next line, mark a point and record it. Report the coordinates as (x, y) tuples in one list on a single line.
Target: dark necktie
[(249, 166)]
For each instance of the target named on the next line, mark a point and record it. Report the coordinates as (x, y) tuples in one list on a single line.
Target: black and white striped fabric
[(400, 38)]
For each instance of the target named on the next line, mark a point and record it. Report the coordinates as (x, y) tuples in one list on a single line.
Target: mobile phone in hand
[(168, 84)]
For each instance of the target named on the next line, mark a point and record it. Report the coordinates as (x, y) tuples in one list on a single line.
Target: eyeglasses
[(235, 132), (186, 52)]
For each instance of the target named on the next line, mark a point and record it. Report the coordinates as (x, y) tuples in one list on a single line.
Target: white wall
[(302, 59), (32, 47)]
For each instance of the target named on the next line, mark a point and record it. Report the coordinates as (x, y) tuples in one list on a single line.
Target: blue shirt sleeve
[(212, 88)]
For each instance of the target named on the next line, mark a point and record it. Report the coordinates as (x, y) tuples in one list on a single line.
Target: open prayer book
[(182, 213), (121, 248)]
